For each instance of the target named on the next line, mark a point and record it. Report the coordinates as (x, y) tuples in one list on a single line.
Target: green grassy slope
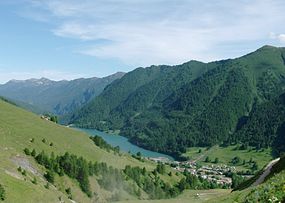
[(271, 190), (226, 154), (189, 196), (17, 128)]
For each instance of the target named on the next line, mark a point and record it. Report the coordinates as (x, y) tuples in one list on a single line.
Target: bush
[(27, 151), (24, 172), (49, 176), (47, 186), (207, 159), (34, 181), (2, 193), (33, 153)]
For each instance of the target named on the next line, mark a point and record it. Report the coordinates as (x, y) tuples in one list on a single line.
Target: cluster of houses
[(216, 173)]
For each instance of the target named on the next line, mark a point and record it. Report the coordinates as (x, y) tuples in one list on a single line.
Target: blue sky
[(67, 39)]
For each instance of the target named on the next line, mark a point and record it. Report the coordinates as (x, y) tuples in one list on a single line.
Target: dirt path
[(265, 172)]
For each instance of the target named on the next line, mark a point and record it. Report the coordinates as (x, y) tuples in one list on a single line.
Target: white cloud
[(145, 32), (279, 37)]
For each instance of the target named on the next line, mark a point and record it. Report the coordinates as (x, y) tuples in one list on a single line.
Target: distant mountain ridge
[(57, 97), (170, 108)]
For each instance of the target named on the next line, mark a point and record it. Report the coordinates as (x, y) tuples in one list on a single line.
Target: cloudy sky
[(66, 39)]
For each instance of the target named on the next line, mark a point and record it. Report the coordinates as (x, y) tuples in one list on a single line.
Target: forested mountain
[(265, 126), (169, 108), (57, 97)]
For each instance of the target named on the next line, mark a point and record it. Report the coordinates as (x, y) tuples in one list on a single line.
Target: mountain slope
[(62, 97), (169, 108), (271, 190), (264, 127), (20, 129)]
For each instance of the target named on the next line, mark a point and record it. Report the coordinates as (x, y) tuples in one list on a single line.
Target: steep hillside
[(62, 97), (60, 163), (271, 190), (170, 108), (265, 126)]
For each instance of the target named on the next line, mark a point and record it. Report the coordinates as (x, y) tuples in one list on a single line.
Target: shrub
[(34, 181), (33, 153), (2, 193), (27, 151), (24, 172), (49, 176)]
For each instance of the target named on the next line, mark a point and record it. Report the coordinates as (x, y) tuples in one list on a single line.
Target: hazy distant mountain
[(169, 108), (58, 97)]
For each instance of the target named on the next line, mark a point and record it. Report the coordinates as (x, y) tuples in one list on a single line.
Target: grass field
[(188, 196), (226, 154), (17, 128)]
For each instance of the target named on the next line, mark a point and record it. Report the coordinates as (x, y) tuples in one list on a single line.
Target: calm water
[(124, 144)]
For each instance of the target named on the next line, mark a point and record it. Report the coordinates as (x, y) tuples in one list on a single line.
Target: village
[(213, 173)]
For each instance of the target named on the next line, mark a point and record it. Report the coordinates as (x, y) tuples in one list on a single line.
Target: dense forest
[(170, 108), (265, 126)]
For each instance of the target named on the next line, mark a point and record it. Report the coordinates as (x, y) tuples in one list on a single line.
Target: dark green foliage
[(35, 181), (44, 140), (33, 153), (109, 178), (216, 160), (194, 182), (24, 172), (236, 180), (2, 193), (47, 186), (160, 168), (168, 109), (27, 151), (54, 119), (207, 159), (100, 142), (153, 186), (254, 166), (265, 126), (68, 192), (49, 176), (236, 160), (71, 165)]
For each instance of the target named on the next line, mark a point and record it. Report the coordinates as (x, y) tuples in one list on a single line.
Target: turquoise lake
[(124, 144)]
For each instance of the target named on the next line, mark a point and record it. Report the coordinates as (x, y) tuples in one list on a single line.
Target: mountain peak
[(266, 47)]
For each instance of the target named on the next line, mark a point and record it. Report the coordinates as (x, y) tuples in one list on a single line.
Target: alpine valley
[(171, 108), (223, 122)]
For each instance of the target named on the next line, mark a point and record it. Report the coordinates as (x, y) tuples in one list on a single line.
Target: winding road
[(265, 172)]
